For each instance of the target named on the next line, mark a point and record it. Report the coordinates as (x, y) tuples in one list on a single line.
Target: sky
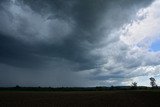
[(79, 43), (155, 45)]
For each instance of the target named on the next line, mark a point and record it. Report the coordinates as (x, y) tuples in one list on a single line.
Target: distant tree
[(153, 82), (17, 86), (134, 85)]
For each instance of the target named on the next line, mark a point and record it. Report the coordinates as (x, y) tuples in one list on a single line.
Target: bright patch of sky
[(155, 46), (144, 29), (143, 34)]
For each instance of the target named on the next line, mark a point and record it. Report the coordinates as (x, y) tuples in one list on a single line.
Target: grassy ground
[(81, 99)]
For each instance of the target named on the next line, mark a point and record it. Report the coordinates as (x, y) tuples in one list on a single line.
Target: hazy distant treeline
[(99, 88)]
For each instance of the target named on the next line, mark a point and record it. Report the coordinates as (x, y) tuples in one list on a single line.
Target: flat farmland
[(80, 99)]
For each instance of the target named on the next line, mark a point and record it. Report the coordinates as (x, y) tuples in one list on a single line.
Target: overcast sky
[(79, 42)]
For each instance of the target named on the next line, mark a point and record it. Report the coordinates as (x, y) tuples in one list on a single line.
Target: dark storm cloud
[(85, 19), (16, 53), (86, 14)]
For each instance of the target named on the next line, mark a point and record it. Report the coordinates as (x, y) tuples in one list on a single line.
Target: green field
[(80, 99)]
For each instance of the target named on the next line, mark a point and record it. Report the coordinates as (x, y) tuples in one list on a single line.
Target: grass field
[(80, 99)]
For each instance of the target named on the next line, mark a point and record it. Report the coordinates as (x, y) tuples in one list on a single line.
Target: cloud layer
[(78, 42)]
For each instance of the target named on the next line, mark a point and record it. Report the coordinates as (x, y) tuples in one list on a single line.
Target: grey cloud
[(66, 33)]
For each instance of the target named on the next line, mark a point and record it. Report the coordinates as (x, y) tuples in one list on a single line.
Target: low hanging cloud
[(77, 43)]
